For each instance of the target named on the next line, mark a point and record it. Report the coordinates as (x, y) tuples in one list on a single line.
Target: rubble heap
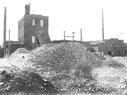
[(25, 81), (63, 57), (18, 58), (67, 66), (99, 56), (62, 63), (20, 51)]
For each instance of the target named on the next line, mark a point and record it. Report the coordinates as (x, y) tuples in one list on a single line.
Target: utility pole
[(64, 35), (102, 25), (9, 44), (9, 35), (73, 36), (4, 34), (81, 34)]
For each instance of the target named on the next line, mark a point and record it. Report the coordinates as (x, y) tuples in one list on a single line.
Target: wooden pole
[(81, 34), (64, 35), (73, 36), (4, 38), (102, 25)]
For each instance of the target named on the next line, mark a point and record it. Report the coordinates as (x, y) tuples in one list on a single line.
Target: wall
[(27, 30)]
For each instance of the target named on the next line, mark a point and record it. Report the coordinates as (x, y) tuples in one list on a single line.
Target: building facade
[(113, 47), (33, 30), (32, 33)]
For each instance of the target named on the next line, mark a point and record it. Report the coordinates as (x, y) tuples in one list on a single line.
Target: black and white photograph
[(63, 47)]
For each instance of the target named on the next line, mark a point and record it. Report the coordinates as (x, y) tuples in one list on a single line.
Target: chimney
[(27, 9), (4, 39)]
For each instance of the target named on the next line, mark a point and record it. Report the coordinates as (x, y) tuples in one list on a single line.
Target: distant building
[(113, 47), (33, 29), (11, 46)]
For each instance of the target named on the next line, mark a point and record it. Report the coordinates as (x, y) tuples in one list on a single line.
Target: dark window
[(109, 53)]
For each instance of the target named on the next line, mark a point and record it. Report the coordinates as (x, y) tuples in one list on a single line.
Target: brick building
[(113, 47), (32, 32), (33, 29)]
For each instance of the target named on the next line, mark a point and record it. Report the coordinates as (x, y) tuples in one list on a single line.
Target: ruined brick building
[(33, 29), (32, 32)]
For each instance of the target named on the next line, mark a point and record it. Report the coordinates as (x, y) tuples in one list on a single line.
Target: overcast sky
[(70, 16)]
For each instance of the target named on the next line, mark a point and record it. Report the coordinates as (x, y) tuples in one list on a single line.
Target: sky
[(70, 16)]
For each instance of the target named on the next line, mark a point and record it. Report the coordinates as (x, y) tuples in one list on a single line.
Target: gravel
[(63, 63), (67, 66)]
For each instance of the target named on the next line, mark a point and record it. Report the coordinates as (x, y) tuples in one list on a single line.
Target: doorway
[(110, 53)]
